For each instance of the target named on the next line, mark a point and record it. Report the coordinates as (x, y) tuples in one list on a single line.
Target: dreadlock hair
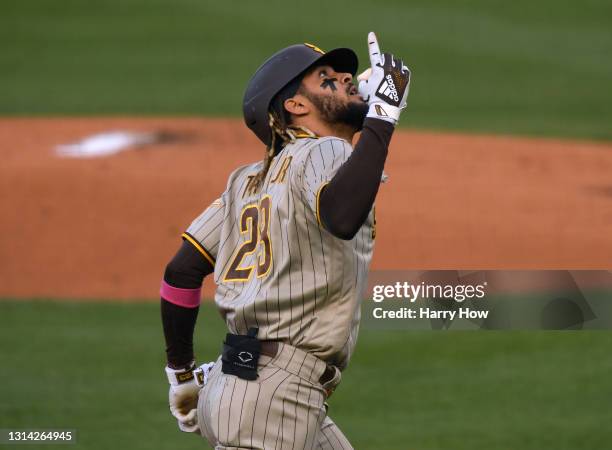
[(280, 129)]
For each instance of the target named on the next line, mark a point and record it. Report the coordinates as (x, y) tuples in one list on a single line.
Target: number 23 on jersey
[(255, 225)]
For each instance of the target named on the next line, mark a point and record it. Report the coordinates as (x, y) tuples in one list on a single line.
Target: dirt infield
[(105, 227)]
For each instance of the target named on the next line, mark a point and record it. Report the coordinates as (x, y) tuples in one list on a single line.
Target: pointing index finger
[(373, 49)]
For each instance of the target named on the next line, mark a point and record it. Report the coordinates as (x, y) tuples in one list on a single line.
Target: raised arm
[(345, 202)]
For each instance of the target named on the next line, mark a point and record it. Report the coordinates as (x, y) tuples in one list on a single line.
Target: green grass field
[(528, 67), (98, 368)]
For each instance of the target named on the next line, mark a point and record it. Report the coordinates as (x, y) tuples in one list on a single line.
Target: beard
[(351, 114)]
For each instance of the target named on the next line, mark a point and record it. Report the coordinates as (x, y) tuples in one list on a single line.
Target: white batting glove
[(185, 385), (384, 86), (201, 373)]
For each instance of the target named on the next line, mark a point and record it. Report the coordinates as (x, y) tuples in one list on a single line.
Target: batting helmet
[(278, 71)]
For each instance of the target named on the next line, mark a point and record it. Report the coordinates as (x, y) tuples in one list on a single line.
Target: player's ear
[(297, 105)]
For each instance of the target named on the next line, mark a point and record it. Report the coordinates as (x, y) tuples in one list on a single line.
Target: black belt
[(270, 348)]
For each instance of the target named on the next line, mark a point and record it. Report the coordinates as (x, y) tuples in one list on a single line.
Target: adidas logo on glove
[(387, 88)]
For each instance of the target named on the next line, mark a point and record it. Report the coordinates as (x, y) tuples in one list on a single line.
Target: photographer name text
[(429, 313)]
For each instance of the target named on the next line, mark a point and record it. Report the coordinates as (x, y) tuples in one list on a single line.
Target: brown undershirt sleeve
[(186, 271), (344, 204)]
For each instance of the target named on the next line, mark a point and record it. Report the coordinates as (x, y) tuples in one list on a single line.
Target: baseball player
[(289, 242)]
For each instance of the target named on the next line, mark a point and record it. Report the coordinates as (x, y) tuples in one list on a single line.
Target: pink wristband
[(188, 298)]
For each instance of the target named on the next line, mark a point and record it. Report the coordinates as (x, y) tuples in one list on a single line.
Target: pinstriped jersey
[(276, 267)]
